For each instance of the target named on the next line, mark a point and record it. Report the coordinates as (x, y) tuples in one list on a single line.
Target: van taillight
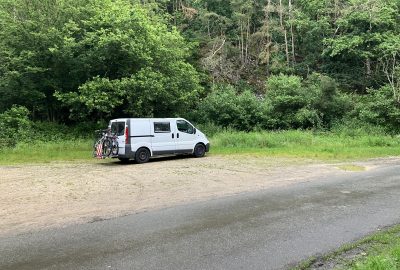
[(126, 134)]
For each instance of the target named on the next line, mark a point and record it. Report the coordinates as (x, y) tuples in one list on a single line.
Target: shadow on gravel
[(116, 162)]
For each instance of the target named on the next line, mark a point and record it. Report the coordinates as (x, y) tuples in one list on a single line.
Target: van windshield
[(118, 128)]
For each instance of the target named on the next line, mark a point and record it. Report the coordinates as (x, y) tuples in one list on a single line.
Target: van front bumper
[(207, 147)]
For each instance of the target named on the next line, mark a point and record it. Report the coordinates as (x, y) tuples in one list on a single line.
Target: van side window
[(162, 127), (118, 128), (184, 126)]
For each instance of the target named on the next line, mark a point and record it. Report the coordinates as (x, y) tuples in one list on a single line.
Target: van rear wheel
[(199, 150), (142, 155)]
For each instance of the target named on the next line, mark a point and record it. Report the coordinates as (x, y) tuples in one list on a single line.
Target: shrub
[(15, 126), (379, 108), (329, 103), (313, 103), (226, 108), (289, 103)]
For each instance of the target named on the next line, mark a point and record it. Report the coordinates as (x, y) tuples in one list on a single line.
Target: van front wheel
[(199, 150), (142, 155)]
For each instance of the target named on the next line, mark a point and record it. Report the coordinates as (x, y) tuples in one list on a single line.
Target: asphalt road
[(269, 229)]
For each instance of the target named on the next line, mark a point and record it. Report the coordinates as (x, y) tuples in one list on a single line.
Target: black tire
[(142, 155), (199, 150)]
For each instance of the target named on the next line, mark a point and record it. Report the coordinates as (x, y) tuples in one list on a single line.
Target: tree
[(101, 58), (389, 60), (361, 29)]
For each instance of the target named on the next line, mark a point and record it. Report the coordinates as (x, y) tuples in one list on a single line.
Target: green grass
[(380, 251), (306, 144), (44, 152), (351, 167), (288, 144)]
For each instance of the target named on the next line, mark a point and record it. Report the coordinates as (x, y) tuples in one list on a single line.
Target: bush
[(49, 131), (313, 103), (379, 108), (211, 129), (226, 108), (289, 103), (354, 127), (330, 104), (15, 126)]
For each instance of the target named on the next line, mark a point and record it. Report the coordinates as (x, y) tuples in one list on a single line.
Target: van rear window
[(162, 127), (118, 128)]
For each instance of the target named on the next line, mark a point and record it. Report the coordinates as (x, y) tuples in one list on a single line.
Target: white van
[(142, 138)]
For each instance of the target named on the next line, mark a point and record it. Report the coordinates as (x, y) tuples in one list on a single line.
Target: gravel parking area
[(40, 196)]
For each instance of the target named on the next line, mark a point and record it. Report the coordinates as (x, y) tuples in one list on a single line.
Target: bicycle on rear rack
[(105, 144)]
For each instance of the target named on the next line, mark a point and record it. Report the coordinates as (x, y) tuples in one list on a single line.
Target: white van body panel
[(162, 142), (161, 136), (139, 134)]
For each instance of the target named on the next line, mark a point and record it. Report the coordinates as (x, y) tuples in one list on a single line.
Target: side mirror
[(194, 130)]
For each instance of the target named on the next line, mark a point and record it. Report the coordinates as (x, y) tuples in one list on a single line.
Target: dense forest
[(243, 64)]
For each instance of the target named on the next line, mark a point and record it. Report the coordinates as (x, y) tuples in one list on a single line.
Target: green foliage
[(380, 108), (288, 144), (140, 65), (376, 263), (226, 108), (15, 126), (48, 151), (211, 129), (313, 103), (53, 132), (380, 250), (17, 129), (363, 30), (306, 144), (73, 60), (101, 58), (289, 103), (329, 103)]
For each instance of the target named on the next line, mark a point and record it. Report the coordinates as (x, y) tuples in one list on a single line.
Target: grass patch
[(286, 144), (306, 144), (351, 167), (380, 251), (44, 152)]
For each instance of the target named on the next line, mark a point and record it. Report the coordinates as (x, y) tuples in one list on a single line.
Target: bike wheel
[(94, 154), (114, 149), (98, 149), (107, 146)]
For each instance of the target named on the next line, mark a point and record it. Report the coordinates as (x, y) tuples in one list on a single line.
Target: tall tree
[(100, 57), (362, 27)]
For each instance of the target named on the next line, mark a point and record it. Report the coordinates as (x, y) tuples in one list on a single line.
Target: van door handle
[(172, 135), (177, 135)]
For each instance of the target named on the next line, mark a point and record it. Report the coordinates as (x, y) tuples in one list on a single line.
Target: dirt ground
[(34, 197)]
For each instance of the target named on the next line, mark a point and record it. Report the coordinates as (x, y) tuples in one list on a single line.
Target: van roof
[(157, 119)]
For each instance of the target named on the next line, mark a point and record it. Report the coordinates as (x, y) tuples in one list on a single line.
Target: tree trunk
[(389, 68), (284, 31), (291, 31), (247, 39), (241, 41), (368, 66), (268, 37)]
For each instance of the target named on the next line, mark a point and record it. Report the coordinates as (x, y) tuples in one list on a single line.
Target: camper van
[(142, 138)]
